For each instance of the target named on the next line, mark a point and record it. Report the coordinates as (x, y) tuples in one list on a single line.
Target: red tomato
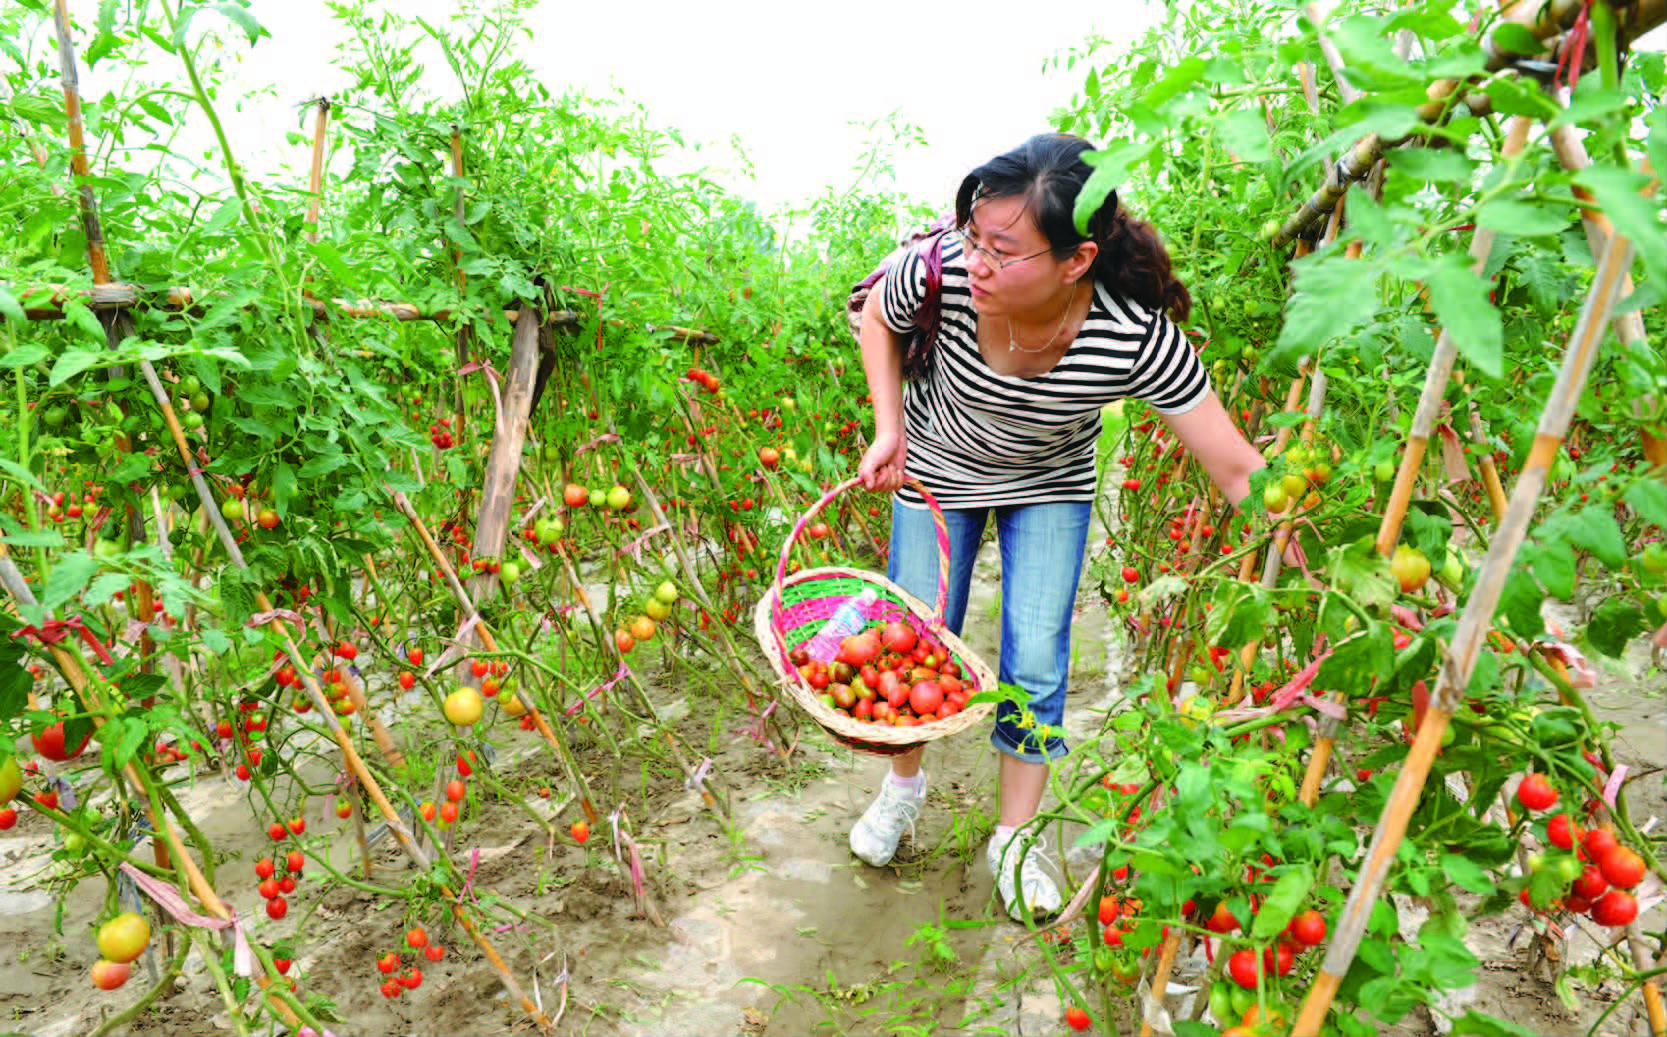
[(925, 697), (1222, 921), (1309, 928), (417, 938), (277, 831), (1616, 908), (1243, 968), (1591, 884), (1279, 958), (1598, 842), (1561, 831), (50, 743), (1622, 867), (264, 868), (1076, 1017), (388, 963), (277, 908), (1535, 793), (295, 861)]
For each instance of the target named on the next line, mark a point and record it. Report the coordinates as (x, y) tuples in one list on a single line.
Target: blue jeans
[(1041, 561)]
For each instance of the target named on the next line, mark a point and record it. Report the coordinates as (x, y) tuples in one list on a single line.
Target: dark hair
[(1048, 172)]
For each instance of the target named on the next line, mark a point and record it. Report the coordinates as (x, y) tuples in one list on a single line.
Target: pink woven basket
[(795, 610)]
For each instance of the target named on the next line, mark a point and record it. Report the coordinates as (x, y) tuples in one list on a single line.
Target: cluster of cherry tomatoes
[(391, 963), (279, 876), (1599, 871)]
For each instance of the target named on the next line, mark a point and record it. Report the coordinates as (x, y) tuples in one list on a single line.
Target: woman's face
[(1010, 265)]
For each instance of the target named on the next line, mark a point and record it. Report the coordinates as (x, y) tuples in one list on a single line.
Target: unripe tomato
[(124, 937)]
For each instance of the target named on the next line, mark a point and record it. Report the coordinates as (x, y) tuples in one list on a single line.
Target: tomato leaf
[(1466, 873), (1614, 624), (1331, 296), (1649, 497), (1460, 300), (15, 678), (1522, 219), (68, 577), (1554, 566), (1480, 1024), (1519, 604), (1286, 898), (9, 306), (72, 363)]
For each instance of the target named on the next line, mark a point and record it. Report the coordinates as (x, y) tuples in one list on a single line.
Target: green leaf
[(1649, 497), (1554, 566), (73, 362), (1283, 902), (10, 308), (283, 486), (1245, 133), (240, 16), (1436, 166), (1516, 39), (1597, 531), (68, 577), (1240, 614), (1614, 624), (1181, 77), (1111, 170), (1479, 1024), (1519, 604), (25, 355), (106, 587), (1331, 296), (1466, 873), (1508, 216), (15, 679), (1460, 299), (1618, 190)]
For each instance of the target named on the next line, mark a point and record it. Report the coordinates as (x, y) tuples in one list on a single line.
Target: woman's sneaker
[(877, 832), (1039, 890)]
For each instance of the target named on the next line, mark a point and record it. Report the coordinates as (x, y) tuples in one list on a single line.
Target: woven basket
[(797, 607)]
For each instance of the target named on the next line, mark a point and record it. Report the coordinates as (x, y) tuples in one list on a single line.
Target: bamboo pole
[(462, 340), (1469, 638), (315, 180), (1439, 374), (1160, 980), (1629, 327)]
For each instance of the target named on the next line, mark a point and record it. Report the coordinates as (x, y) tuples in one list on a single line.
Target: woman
[(1039, 328)]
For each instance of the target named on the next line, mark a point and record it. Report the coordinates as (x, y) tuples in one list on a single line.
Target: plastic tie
[(168, 898)]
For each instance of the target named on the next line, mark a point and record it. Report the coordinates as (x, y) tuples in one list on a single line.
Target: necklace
[(1013, 343)]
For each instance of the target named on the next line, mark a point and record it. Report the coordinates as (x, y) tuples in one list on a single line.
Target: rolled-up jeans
[(1042, 549)]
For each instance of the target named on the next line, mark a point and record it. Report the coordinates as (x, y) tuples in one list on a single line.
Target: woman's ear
[(1081, 261)]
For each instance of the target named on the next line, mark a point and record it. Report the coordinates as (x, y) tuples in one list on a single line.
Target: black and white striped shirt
[(978, 438)]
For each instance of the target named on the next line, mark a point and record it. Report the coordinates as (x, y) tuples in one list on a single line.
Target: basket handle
[(815, 509)]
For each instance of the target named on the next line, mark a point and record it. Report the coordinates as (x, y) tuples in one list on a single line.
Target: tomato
[(264, 868), (50, 743), (298, 825), (47, 800), (427, 810), (448, 812), (282, 965), (123, 937), (1597, 843), (575, 496), (231, 509), (624, 641), (642, 628), (1131, 574), (580, 830), (434, 952), (1243, 968), (344, 809), (11, 780), (286, 885), (417, 938), (1561, 831), (8, 818), (412, 979), (925, 697), (1616, 908), (390, 988), (267, 518), (1114, 936), (1535, 793), (1622, 868), (407, 680), (277, 831), (416, 656), (277, 908), (388, 963), (1222, 921), (1275, 499), (1076, 1017), (295, 862), (1279, 959), (619, 498), (1410, 568), (269, 888), (456, 790), (464, 707), (1590, 885), (108, 975), (1309, 928)]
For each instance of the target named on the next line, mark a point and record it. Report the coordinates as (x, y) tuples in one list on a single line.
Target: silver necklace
[(1013, 343)]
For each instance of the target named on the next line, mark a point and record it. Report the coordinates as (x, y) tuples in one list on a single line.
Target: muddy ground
[(773, 928)]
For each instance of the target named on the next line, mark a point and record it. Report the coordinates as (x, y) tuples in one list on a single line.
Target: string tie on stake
[(618, 676), (168, 898), (55, 630), (1295, 691)]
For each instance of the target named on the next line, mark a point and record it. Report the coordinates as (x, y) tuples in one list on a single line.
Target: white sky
[(788, 79)]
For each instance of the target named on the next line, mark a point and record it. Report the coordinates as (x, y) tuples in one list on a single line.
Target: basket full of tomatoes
[(899, 679)]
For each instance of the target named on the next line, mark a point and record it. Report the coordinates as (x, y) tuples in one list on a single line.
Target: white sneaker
[(1039, 890), (875, 836)]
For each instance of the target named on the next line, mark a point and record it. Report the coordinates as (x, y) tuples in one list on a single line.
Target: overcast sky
[(788, 79)]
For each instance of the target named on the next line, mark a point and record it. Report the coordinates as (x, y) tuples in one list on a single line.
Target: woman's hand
[(881, 468)]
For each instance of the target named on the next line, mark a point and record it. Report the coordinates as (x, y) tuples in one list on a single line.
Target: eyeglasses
[(996, 259)]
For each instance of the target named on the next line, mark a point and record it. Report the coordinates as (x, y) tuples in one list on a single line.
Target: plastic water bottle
[(851, 617)]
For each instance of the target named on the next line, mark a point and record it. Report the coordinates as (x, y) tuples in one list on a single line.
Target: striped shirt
[(977, 438)]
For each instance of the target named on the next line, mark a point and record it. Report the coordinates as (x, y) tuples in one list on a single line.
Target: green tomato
[(55, 416), (509, 572), (191, 421), (1654, 558), (552, 452), (667, 593), (76, 844), (199, 401), (231, 508), (599, 498), (107, 550), (1384, 471), (1221, 1003), (189, 385), (619, 498)]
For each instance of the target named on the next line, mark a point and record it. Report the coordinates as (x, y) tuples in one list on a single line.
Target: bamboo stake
[(1629, 327), (315, 182), (462, 341), (1468, 639), (1439, 374), (1160, 980)]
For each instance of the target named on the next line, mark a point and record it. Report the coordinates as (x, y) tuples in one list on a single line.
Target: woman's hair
[(1048, 172)]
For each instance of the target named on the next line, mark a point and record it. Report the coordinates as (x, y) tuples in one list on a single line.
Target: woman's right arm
[(881, 468)]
